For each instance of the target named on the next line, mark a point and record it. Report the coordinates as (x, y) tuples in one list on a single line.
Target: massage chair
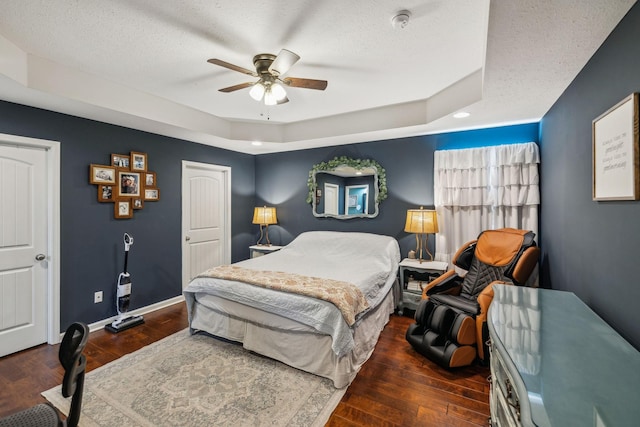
[(451, 320)]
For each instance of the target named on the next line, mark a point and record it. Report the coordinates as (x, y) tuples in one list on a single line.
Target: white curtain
[(484, 188)]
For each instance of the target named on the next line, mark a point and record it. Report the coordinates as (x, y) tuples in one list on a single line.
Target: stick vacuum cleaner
[(123, 297)]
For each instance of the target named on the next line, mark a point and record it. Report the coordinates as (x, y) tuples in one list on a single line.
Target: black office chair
[(74, 364)]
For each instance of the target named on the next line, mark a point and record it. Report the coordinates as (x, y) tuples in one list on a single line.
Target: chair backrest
[(74, 364), (504, 254)]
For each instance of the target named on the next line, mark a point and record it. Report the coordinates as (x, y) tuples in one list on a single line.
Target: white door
[(206, 218), (331, 199), (23, 248)]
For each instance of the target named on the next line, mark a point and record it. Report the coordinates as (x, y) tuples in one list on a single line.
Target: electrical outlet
[(97, 297)]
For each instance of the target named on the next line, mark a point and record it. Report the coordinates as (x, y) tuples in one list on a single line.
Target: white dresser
[(554, 362)]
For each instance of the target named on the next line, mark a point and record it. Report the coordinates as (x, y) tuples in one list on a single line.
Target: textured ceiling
[(143, 64)]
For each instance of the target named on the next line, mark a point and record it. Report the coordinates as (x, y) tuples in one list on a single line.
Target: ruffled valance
[(503, 175)]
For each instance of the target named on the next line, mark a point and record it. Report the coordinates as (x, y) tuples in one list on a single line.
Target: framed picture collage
[(126, 182)]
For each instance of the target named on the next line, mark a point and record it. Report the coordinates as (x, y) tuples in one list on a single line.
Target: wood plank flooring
[(396, 387)]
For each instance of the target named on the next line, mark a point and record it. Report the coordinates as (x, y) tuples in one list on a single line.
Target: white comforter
[(369, 261)]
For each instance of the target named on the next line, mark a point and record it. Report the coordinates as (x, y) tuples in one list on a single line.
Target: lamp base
[(425, 246), (264, 232)]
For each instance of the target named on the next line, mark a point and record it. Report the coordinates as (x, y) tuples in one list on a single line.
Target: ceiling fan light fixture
[(270, 87), (257, 91), (269, 98), (278, 91)]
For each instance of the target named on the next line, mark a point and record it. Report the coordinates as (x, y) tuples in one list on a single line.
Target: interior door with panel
[(331, 199), (23, 248), (206, 218)]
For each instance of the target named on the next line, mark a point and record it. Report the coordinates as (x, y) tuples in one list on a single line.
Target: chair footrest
[(443, 335)]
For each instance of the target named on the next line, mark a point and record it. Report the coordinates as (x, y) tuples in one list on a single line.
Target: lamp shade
[(257, 91), (278, 91), (421, 221), (264, 216), (270, 98)]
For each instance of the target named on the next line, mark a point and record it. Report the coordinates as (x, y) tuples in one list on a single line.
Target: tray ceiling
[(143, 64)]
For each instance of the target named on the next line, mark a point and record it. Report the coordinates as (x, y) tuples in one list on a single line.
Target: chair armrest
[(449, 282), (484, 300), (458, 303), (478, 307), (486, 296)]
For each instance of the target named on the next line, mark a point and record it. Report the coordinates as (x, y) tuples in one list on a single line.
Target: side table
[(422, 272), (259, 250)]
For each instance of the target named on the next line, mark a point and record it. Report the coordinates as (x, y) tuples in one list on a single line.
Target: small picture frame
[(138, 203), (138, 161), (120, 160), (128, 184), (102, 174), (151, 194), (150, 180), (106, 193), (122, 208)]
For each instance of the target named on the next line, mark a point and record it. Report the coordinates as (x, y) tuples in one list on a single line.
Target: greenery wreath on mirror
[(357, 164)]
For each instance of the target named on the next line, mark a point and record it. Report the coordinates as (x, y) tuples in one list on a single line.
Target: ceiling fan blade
[(232, 67), (236, 87), (283, 62), (305, 83)]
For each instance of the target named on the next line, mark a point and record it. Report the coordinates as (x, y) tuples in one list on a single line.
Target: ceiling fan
[(270, 70)]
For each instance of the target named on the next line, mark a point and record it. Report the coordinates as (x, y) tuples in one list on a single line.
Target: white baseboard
[(143, 310)]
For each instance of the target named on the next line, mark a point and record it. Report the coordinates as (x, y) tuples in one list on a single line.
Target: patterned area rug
[(198, 380)]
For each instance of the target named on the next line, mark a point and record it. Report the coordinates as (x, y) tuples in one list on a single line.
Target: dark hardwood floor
[(396, 387)]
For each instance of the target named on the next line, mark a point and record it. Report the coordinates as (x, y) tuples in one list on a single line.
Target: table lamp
[(264, 216), (422, 222)]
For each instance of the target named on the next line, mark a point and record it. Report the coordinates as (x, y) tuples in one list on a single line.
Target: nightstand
[(413, 276), (258, 250)]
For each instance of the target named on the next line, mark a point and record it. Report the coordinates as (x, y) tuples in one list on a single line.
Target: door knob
[(187, 238), (40, 257)]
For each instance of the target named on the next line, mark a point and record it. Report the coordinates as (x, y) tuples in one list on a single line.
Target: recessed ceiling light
[(461, 115), (256, 143)]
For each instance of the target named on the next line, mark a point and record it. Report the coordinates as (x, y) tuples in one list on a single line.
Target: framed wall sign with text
[(615, 152)]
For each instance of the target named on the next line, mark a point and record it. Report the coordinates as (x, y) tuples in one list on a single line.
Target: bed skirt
[(289, 341)]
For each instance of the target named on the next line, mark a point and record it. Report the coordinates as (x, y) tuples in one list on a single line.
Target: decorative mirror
[(346, 188)]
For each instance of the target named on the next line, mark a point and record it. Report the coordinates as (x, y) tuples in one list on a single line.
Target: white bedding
[(369, 261), (291, 342)]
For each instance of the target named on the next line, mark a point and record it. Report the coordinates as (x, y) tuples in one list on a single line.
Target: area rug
[(198, 380)]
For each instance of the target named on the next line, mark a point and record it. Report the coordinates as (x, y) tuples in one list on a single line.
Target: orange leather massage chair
[(451, 320)]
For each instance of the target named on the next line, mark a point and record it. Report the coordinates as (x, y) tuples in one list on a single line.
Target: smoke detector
[(401, 19)]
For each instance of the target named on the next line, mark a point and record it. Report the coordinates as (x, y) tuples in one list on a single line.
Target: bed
[(331, 334)]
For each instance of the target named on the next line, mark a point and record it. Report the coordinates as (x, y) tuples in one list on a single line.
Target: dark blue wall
[(281, 180), (588, 247), (91, 239), (92, 252)]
